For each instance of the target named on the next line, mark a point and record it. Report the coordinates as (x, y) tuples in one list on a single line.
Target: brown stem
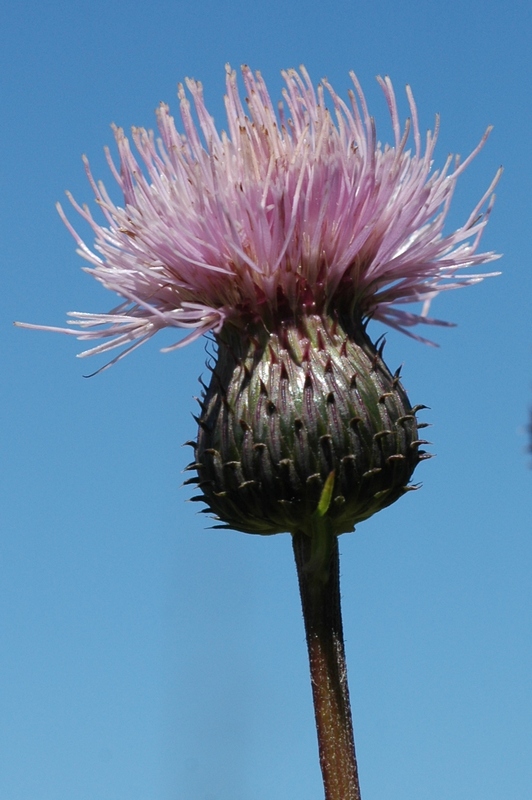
[(319, 585)]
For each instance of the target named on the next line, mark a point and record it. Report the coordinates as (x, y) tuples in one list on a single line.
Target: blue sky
[(144, 656)]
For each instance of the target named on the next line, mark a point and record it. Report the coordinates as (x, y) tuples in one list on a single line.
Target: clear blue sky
[(146, 657)]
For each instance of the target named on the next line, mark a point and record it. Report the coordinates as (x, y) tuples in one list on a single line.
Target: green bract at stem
[(317, 562)]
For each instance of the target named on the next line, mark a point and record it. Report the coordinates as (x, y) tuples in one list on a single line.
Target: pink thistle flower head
[(295, 213), (282, 236)]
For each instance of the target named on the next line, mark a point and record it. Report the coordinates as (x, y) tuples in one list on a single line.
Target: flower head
[(300, 212), (283, 236)]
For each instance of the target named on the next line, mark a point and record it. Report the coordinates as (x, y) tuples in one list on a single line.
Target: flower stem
[(317, 563)]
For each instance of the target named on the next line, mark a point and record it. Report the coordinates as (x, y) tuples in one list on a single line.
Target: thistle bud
[(301, 423)]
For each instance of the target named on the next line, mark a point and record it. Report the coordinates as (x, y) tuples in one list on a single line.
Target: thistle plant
[(284, 237)]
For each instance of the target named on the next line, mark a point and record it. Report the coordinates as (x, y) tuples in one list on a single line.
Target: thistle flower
[(283, 236)]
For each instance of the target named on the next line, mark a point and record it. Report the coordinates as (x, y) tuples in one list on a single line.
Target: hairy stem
[(317, 564)]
